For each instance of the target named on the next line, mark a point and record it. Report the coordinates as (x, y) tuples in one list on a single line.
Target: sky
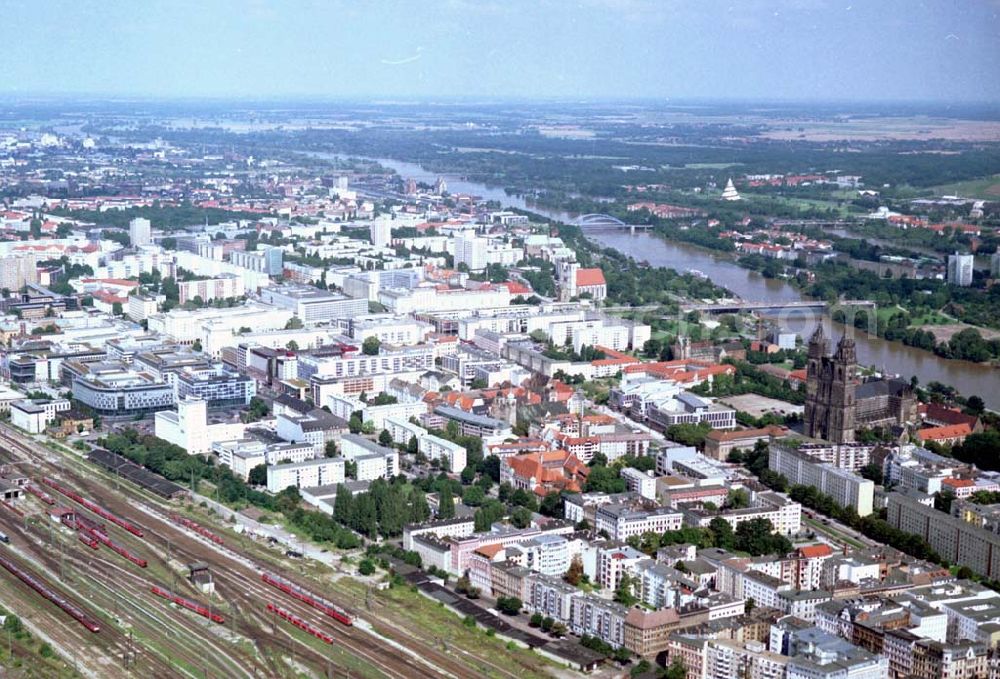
[(800, 50)]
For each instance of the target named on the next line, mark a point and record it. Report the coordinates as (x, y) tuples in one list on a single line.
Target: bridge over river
[(599, 221)]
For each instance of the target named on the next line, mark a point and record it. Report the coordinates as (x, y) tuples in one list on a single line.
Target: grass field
[(987, 188)]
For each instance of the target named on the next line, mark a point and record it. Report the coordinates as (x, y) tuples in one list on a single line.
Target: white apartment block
[(222, 287), (371, 467), (403, 430), (307, 474), (545, 554), (139, 232), (140, 307), (401, 330), (356, 364), (639, 482), (470, 250), (429, 299), (377, 415), (380, 232), (622, 522), (434, 448), (846, 488)]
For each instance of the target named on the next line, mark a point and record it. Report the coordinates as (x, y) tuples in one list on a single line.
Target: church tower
[(814, 416), (840, 426)]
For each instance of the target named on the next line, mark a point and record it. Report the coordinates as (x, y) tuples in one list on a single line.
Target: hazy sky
[(790, 49)]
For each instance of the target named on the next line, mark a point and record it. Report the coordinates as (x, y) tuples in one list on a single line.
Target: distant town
[(271, 407)]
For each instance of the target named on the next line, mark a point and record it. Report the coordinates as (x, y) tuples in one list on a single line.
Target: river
[(893, 357)]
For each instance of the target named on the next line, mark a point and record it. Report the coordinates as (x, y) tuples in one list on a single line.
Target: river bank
[(893, 357)]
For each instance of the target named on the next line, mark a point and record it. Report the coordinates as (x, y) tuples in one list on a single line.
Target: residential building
[(139, 232), (224, 286), (452, 455), (307, 474), (960, 268), (846, 488)]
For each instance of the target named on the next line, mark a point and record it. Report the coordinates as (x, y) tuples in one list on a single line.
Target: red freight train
[(188, 604), (197, 528), (34, 583), (97, 509), (300, 623), (319, 603)]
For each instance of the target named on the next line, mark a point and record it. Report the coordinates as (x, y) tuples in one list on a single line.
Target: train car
[(39, 586), (203, 611), (329, 608)]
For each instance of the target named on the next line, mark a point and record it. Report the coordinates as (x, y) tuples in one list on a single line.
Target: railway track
[(237, 578)]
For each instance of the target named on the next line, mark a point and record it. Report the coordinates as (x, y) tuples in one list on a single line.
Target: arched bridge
[(599, 221)]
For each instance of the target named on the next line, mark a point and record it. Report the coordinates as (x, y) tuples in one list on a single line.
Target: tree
[(509, 605), (640, 668), (197, 345), (489, 513), (385, 438), (331, 449), (756, 536), (366, 567), (677, 670), (574, 574), (975, 404), (536, 620), (625, 592), (116, 309), (343, 505), (552, 504), (722, 533), (371, 346), (689, 434), (258, 475), (413, 445), (873, 472), (446, 504), (738, 498), (473, 496), (520, 517), (604, 480), (292, 345), (294, 323)]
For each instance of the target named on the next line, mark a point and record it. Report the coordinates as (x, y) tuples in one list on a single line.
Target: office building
[(113, 390), (312, 305), (188, 427), (218, 387)]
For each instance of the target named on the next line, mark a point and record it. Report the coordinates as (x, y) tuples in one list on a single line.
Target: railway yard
[(98, 568)]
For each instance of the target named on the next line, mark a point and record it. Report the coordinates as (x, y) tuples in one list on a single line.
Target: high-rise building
[(381, 233), (139, 232), (830, 389), (960, 269), (470, 250)]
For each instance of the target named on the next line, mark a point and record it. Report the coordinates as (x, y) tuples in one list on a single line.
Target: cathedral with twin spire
[(838, 402)]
